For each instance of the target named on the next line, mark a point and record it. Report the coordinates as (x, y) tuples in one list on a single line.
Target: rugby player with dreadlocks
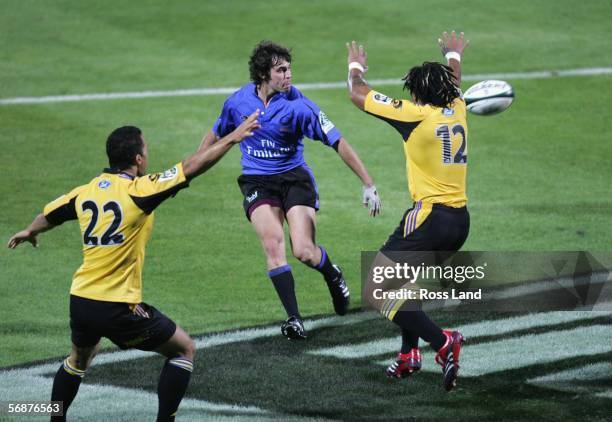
[(434, 130)]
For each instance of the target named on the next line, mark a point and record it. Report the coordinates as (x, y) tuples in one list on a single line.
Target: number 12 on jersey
[(444, 134)]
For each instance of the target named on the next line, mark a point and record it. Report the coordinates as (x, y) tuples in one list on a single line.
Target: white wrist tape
[(356, 65), (453, 55)]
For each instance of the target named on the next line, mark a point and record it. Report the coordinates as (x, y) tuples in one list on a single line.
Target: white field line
[(479, 329), (589, 71), (133, 404), (103, 402), (573, 380), (206, 342), (600, 299), (97, 401), (532, 349)]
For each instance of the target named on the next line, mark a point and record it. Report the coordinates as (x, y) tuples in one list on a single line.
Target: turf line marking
[(211, 340), (570, 284), (99, 402), (95, 401), (479, 329), (589, 71), (578, 380), (532, 349)]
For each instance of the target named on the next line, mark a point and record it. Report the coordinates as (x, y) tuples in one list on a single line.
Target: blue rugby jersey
[(277, 146)]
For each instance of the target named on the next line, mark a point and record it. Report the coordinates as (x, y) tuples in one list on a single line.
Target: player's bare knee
[(304, 252), (79, 362), (190, 350), (274, 247), (81, 357), (304, 255)]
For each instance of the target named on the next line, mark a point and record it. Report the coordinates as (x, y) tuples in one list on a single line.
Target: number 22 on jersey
[(110, 236)]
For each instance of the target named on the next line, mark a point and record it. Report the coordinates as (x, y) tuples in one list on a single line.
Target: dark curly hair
[(122, 146), (432, 83), (266, 55)]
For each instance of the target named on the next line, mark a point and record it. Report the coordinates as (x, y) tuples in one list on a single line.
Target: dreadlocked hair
[(432, 83)]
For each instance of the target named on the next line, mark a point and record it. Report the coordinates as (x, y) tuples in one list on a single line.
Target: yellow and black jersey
[(435, 145), (115, 213)]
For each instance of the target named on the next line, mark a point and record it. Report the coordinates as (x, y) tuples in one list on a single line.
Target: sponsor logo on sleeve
[(325, 123), (382, 99), (168, 174), (448, 112)]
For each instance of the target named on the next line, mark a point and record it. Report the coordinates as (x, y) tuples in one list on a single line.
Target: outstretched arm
[(209, 139), (39, 224), (452, 47), (352, 160), (357, 86), (207, 156)]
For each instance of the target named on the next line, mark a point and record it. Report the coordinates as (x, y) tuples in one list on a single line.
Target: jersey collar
[(121, 174), (275, 97)]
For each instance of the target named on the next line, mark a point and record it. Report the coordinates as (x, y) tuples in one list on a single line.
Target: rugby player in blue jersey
[(276, 182)]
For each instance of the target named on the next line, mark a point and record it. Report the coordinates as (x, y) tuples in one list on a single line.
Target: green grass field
[(539, 177)]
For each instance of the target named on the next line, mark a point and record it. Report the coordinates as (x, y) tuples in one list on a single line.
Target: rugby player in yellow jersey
[(115, 214), (433, 126)]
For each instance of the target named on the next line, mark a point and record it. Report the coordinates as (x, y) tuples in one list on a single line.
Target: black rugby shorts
[(284, 190), (128, 326)]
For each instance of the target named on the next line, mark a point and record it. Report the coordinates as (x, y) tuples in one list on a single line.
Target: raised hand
[(356, 53), (452, 43)]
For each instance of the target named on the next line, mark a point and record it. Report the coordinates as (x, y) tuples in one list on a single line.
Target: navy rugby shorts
[(284, 190)]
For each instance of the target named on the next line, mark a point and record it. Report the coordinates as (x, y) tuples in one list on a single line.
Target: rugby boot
[(405, 364), (339, 292), (448, 358), (293, 328)]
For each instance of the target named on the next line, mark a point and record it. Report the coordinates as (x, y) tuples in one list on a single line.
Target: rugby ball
[(488, 97)]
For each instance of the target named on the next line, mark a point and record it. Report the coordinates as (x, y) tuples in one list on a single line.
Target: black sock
[(173, 382), (326, 267), (420, 324), (66, 386), (282, 278), (410, 340)]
